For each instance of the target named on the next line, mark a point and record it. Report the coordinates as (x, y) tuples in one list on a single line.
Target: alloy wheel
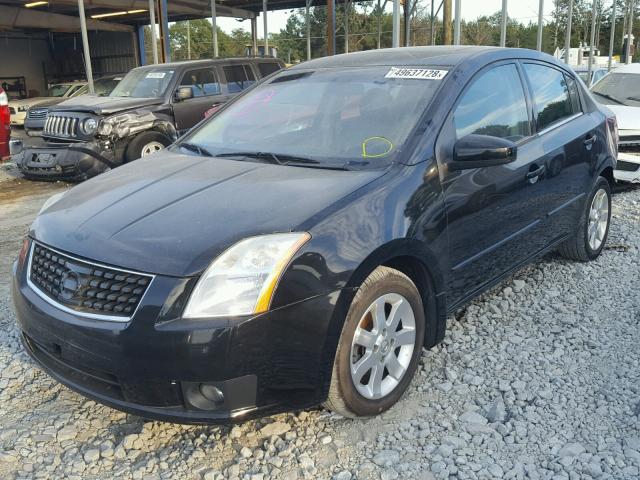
[(598, 219), (382, 346)]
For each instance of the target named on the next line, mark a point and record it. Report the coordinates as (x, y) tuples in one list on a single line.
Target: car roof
[(446, 56), (630, 68), (209, 61)]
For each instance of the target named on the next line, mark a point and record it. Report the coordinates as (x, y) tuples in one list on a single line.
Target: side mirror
[(476, 151), (183, 93), (15, 147)]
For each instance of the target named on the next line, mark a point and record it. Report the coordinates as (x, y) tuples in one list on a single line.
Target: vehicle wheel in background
[(145, 144), (380, 345), (591, 235)]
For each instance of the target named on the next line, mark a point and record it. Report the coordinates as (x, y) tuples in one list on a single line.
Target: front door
[(205, 86), (494, 213)]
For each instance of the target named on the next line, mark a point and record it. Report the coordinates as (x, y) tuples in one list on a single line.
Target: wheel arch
[(414, 259), (607, 173)]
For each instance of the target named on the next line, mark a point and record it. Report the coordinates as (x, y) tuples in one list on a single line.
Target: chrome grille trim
[(64, 308), (37, 113), (65, 126)]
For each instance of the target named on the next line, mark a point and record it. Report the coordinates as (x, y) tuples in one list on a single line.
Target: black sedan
[(302, 245)]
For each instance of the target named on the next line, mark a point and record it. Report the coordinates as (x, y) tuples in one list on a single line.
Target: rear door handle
[(534, 174)]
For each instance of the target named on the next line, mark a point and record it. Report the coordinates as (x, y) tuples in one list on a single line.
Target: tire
[(402, 302), (142, 142), (578, 247)]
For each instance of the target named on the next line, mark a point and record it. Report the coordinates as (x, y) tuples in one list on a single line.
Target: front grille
[(12, 110), (627, 166), (630, 139), (86, 288), (37, 113), (61, 126)]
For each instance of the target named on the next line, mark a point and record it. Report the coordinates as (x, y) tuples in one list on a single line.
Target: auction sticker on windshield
[(156, 74), (417, 73)]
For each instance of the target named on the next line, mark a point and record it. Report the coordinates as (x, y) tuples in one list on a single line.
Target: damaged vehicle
[(303, 244), (37, 116), (145, 112), (620, 92)]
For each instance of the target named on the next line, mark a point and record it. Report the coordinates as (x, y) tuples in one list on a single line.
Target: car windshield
[(143, 83), (584, 76), (618, 89), (347, 118), (58, 90), (102, 87)]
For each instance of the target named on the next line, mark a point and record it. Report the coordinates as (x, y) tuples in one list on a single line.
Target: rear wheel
[(145, 144), (593, 228), (380, 345)]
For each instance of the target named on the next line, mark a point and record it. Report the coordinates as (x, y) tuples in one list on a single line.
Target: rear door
[(238, 77), (495, 213), (568, 140), (207, 91)]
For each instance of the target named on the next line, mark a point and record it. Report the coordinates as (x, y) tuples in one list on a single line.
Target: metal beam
[(592, 41), (214, 28), (395, 38), (456, 24), (540, 25), (347, 5), (163, 21), (143, 53), (627, 53), (446, 23), (307, 21), (503, 24), (567, 36), (331, 27), (613, 35), (254, 36), (266, 28), (15, 18), (407, 22), (154, 39), (85, 46)]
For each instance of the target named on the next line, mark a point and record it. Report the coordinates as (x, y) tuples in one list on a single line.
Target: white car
[(19, 108), (620, 91)]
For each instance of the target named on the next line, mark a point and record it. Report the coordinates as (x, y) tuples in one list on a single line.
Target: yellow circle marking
[(367, 155)]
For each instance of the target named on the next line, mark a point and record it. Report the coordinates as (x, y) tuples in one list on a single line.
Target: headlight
[(23, 108), (118, 124), (241, 281), (88, 126), (51, 200)]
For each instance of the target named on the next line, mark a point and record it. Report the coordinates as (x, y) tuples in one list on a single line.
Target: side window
[(267, 68), (494, 105), (573, 94), (550, 94), (203, 82), (238, 77)]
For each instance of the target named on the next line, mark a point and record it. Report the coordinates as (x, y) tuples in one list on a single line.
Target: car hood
[(172, 214), (104, 105), (628, 118), (32, 102)]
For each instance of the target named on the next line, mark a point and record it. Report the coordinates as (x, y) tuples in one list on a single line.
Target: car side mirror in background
[(476, 151), (183, 93)]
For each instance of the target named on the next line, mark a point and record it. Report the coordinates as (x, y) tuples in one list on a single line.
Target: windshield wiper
[(635, 99), (279, 159), (609, 97), (195, 148)]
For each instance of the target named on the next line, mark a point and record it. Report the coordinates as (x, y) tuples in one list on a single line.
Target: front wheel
[(593, 228), (379, 347), (145, 144)]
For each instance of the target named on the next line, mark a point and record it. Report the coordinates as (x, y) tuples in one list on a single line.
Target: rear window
[(268, 68), (238, 77)]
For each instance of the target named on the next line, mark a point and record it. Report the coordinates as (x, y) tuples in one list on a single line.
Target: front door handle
[(533, 175)]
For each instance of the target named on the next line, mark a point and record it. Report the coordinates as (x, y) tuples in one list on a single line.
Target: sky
[(523, 10)]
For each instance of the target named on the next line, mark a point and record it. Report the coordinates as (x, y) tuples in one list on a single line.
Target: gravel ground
[(539, 378)]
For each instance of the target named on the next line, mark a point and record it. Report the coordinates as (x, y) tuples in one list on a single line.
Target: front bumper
[(18, 118), (627, 168), (154, 365), (75, 161)]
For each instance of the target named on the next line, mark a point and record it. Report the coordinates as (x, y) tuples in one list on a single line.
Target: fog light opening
[(212, 393)]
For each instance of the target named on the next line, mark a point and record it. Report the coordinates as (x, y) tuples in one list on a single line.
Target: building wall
[(24, 55)]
